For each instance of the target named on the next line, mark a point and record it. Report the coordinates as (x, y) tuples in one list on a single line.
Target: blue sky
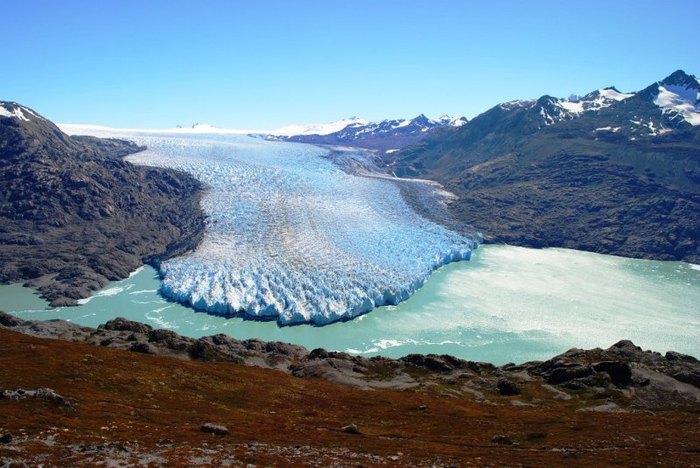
[(262, 64)]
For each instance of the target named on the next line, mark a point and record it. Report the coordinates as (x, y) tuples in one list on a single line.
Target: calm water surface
[(506, 304)]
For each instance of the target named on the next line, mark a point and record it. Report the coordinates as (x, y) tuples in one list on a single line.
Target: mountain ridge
[(385, 135), (621, 178)]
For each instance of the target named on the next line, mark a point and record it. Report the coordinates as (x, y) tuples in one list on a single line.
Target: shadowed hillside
[(74, 215)]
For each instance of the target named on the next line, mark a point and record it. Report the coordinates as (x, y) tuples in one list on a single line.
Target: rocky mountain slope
[(74, 215), (386, 135), (168, 402), (608, 172)]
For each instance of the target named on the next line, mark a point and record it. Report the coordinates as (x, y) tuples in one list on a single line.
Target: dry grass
[(141, 400)]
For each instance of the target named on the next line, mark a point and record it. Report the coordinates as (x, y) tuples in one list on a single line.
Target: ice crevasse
[(291, 237)]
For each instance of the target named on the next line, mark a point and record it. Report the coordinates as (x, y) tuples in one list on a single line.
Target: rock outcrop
[(623, 374), (74, 215)]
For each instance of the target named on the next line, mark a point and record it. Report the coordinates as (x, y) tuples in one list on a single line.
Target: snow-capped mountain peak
[(12, 109), (553, 110), (681, 78), (318, 129), (598, 99), (667, 105), (611, 93), (679, 96), (518, 103), (452, 121), (386, 134)]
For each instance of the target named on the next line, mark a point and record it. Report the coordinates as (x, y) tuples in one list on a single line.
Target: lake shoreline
[(498, 307), (651, 380)]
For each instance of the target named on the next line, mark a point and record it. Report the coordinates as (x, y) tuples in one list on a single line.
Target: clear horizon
[(263, 65)]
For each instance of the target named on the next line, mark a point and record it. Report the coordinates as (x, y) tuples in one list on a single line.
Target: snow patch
[(524, 103), (14, 111), (610, 93), (548, 120), (607, 129), (403, 123), (680, 100), (575, 107)]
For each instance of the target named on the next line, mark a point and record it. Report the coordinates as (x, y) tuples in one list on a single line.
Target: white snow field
[(290, 236)]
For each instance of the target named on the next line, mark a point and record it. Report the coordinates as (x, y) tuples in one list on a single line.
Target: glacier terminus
[(292, 237)]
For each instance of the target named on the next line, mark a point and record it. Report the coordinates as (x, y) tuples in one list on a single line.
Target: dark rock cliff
[(74, 215)]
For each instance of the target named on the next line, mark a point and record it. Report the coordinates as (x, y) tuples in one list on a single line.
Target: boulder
[(351, 429), (670, 356), (45, 394), (565, 373), (169, 339), (122, 324), (7, 320), (620, 372), (141, 347), (216, 429), (506, 387), (435, 363)]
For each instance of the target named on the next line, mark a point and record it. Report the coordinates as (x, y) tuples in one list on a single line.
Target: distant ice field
[(290, 236)]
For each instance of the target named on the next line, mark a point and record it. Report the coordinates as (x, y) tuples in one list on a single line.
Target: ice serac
[(291, 237)]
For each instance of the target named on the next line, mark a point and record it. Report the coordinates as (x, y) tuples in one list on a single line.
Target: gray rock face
[(122, 324), (654, 379), (74, 215), (7, 320)]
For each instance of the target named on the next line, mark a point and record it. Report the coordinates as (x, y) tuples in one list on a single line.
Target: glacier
[(290, 236)]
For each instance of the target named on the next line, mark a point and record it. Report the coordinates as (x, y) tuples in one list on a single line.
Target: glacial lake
[(508, 304)]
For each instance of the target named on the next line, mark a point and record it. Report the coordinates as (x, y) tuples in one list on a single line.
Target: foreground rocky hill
[(632, 377), (607, 172), (74, 215), (69, 403)]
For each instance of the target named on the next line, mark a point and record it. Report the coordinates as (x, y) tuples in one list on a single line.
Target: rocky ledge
[(620, 378)]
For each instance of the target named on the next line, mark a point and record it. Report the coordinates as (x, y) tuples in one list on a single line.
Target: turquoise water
[(506, 304)]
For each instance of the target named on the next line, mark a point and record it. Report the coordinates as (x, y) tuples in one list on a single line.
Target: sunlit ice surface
[(290, 236)]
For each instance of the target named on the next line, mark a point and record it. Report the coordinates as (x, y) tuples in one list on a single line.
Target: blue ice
[(291, 237)]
